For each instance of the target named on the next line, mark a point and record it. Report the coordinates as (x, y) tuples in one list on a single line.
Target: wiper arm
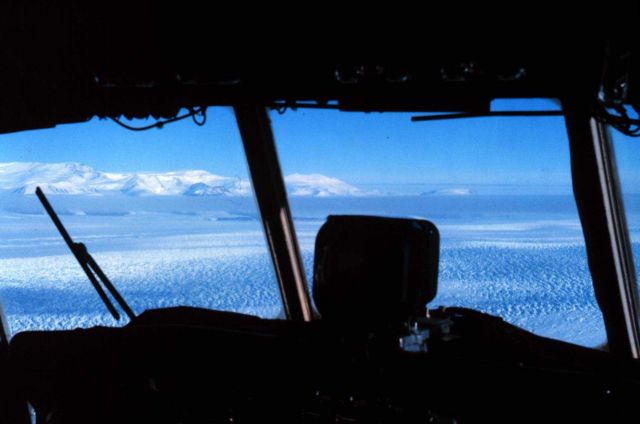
[(465, 115), (88, 264)]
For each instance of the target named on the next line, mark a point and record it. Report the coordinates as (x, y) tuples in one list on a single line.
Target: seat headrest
[(375, 271)]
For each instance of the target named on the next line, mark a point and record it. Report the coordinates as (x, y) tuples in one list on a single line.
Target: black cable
[(202, 112), (620, 120), (192, 113), (441, 117), (614, 93)]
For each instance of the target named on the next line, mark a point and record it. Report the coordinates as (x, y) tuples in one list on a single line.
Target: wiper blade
[(88, 264), (524, 113)]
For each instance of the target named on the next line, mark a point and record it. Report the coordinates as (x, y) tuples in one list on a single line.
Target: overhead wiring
[(618, 117), (193, 114), (618, 102)]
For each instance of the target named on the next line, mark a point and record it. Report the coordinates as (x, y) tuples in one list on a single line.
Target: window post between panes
[(598, 197), (268, 185)]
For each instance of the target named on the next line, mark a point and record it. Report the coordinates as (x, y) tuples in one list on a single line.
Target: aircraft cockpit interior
[(449, 234)]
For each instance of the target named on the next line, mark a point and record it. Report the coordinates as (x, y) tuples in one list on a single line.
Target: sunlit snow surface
[(522, 258)]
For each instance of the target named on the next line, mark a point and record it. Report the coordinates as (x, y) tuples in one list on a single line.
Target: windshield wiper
[(88, 264), (465, 115)]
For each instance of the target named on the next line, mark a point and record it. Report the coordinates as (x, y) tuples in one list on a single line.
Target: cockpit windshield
[(170, 216)]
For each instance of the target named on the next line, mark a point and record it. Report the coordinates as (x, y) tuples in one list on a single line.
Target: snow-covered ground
[(194, 238), (519, 257)]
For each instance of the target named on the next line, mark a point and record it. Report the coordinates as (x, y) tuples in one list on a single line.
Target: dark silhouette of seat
[(373, 271)]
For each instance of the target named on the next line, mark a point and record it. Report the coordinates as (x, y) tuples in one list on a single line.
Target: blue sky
[(389, 148), (365, 149)]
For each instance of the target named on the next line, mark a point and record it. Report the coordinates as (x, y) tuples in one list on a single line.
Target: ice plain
[(518, 257)]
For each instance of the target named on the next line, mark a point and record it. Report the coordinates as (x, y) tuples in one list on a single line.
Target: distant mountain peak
[(318, 185), (75, 178), (449, 192)]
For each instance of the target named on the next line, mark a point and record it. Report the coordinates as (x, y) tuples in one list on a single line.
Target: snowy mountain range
[(75, 178)]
